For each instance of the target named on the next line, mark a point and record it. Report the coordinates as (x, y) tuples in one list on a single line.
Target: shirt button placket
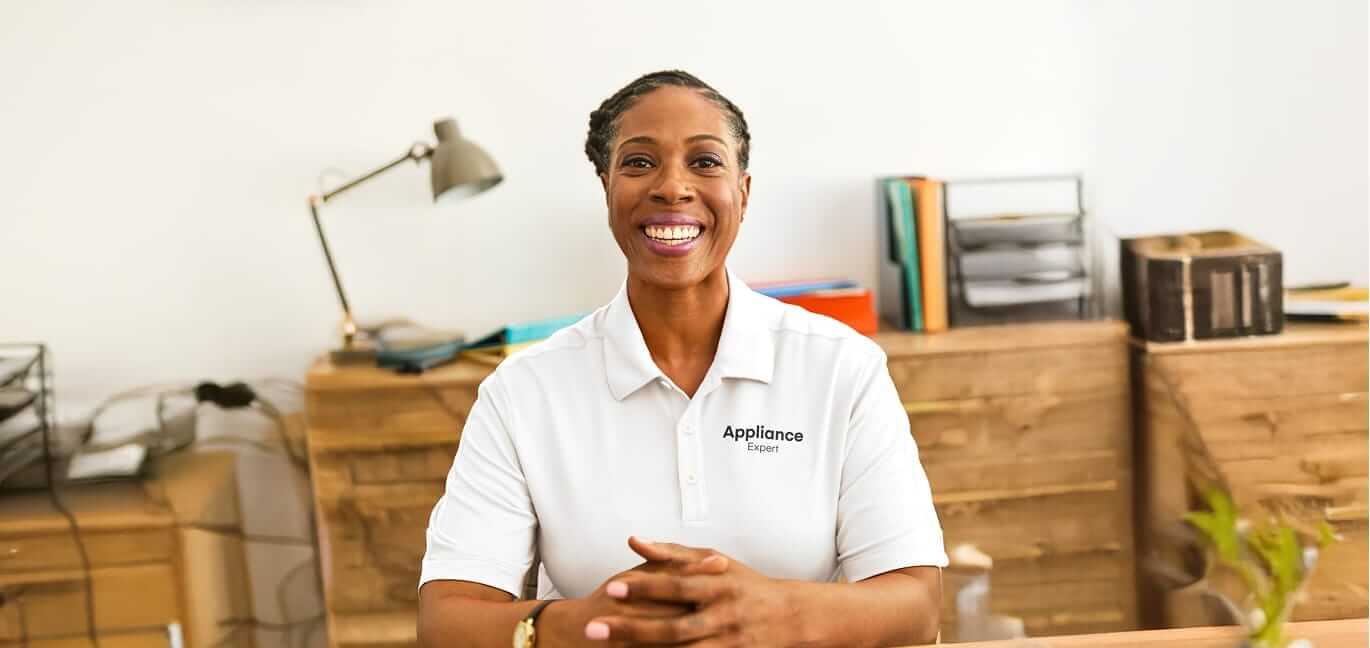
[(688, 446)]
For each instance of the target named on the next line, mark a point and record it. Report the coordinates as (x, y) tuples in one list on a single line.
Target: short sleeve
[(482, 528), (885, 516)]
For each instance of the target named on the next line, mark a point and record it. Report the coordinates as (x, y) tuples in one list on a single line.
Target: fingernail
[(596, 630), (617, 589), (644, 540)]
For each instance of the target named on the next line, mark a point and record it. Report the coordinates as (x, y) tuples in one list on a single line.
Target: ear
[(745, 186)]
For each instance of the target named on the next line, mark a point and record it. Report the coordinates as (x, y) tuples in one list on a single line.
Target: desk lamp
[(459, 169)]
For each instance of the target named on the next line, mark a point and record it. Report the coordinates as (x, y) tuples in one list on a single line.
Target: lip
[(667, 219), (670, 218)]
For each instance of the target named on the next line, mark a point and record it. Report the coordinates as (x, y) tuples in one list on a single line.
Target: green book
[(906, 234)]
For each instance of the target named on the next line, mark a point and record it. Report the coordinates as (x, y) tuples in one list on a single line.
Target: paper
[(123, 461)]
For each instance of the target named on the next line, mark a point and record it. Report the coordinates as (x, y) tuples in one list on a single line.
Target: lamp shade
[(460, 167)]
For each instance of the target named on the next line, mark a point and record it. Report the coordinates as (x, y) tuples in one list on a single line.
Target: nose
[(672, 186)]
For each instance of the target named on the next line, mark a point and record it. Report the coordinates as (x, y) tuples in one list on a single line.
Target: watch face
[(523, 634)]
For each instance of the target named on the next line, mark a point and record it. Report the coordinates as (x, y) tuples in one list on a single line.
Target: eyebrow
[(643, 139)]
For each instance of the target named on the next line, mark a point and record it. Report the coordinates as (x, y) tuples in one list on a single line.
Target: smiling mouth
[(672, 234)]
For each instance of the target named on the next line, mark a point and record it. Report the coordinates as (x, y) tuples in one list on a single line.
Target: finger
[(642, 608), (666, 551), (669, 588), (706, 623), (714, 565)]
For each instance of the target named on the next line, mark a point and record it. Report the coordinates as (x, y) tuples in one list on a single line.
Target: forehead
[(672, 114)]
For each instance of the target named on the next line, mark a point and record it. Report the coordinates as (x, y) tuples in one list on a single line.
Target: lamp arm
[(349, 325), (418, 152)]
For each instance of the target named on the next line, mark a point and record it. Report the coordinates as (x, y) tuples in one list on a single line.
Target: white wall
[(157, 154)]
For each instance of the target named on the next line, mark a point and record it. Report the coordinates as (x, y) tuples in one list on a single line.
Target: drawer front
[(126, 598), (151, 639), (1085, 517), (106, 548), (386, 419), (997, 428), (376, 541), (1050, 371)]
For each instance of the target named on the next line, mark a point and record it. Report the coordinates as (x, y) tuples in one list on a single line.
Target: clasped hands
[(692, 597)]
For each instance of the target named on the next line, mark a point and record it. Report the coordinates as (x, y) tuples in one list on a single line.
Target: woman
[(763, 445)]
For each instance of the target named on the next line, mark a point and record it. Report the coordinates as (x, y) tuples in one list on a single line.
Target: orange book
[(854, 307), (932, 257)]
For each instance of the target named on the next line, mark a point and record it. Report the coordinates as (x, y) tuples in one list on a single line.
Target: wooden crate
[(380, 445), (1282, 419), (1025, 433)]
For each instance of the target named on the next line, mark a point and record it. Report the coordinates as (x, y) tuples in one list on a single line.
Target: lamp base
[(359, 352)]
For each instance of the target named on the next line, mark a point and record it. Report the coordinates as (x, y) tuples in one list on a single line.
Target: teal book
[(529, 331), (906, 238)]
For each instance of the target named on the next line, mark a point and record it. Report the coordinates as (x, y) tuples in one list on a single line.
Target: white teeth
[(672, 234)]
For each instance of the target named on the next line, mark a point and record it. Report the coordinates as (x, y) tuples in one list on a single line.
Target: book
[(1333, 304), (779, 289), (526, 331), (854, 307), (906, 244), (932, 258), (416, 359)]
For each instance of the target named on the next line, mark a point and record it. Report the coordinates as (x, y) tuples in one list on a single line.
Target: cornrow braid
[(604, 120)]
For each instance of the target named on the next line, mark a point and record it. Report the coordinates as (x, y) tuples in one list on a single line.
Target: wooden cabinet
[(130, 543), (1025, 433), (380, 445), (1281, 419)]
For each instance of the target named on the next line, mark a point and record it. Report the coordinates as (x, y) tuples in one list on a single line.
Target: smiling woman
[(620, 427)]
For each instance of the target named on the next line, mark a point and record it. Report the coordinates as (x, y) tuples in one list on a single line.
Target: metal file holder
[(1007, 233)]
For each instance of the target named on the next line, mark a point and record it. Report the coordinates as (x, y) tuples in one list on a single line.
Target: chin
[(670, 276)]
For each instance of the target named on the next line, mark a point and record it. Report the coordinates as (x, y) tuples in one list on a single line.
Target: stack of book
[(1336, 302), (507, 339), (410, 348), (982, 251), (913, 271), (841, 299)]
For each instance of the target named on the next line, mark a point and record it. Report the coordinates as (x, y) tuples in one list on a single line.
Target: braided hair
[(604, 120)]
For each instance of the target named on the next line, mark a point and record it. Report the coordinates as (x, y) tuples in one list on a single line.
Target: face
[(675, 192)]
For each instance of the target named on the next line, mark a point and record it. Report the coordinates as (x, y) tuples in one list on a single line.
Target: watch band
[(537, 609)]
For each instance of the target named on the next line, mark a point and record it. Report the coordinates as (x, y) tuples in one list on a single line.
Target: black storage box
[(1201, 285)]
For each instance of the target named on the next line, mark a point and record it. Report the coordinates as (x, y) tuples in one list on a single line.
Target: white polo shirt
[(794, 457)]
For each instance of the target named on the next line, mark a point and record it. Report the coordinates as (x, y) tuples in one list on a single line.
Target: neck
[(681, 326)]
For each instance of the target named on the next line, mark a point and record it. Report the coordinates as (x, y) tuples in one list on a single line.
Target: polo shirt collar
[(745, 348)]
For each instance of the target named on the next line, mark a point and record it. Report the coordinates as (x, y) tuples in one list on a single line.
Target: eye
[(637, 162), (708, 162)]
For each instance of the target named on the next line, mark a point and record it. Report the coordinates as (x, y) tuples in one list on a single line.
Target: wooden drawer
[(149, 639), (376, 540), (104, 548), (53, 604), (386, 419), (1009, 373), (1000, 427)]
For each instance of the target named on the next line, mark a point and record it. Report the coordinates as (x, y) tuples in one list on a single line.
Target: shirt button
[(690, 478)]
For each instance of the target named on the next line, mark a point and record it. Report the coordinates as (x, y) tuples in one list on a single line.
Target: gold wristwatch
[(524, 633)]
